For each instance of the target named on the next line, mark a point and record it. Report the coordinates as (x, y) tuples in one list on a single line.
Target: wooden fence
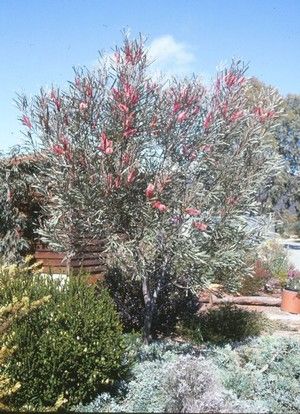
[(90, 259)]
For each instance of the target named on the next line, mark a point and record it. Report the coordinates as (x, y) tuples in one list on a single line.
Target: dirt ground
[(288, 324)]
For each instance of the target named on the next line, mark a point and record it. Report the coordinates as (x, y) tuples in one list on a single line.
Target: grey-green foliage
[(172, 378), (261, 376), (265, 369)]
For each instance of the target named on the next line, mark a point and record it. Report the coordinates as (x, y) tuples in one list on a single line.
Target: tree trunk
[(150, 300), (149, 308)]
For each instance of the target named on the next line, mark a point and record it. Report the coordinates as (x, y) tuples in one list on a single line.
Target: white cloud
[(167, 49), (171, 56)]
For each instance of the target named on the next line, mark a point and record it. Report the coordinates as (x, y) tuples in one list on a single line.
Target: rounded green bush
[(70, 349), (224, 324)]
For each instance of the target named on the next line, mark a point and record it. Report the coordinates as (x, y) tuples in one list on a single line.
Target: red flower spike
[(26, 121), (129, 120), (116, 94), (57, 104), (117, 182), (9, 195), (123, 108), (192, 156), (130, 93), (208, 121), (196, 110), (182, 116), (64, 142), (153, 123), (192, 212), (78, 82), (117, 57), (176, 107), (236, 115), (232, 201), (262, 114), (66, 120), (55, 99), (224, 109), (231, 79), (132, 176), (58, 149), (89, 91), (159, 206), (133, 54), (106, 144), (200, 226), (218, 86), (150, 190), (52, 95)]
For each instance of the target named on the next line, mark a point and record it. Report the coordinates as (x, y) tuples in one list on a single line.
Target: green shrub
[(70, 348), (224, 324)]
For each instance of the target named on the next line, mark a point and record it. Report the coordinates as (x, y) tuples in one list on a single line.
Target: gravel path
[(288, 323)]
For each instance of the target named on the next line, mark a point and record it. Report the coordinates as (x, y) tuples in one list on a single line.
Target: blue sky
[(42, 39)]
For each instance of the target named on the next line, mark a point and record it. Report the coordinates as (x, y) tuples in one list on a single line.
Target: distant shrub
[(69, 349), (274, 257), (289, 225), (253, 284), (269, 268), (223, 324)]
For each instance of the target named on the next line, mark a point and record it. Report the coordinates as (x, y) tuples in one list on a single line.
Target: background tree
[(19, 206), (283, 195), (288, 138), (167, 173)]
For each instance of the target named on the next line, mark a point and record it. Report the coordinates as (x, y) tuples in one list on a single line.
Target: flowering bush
[(166, 172)]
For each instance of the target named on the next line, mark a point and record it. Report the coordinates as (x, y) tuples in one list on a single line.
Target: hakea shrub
[(167, 172)]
